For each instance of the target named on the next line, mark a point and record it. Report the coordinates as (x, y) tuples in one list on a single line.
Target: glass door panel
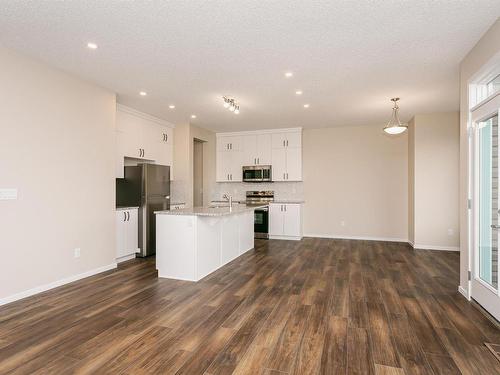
[(489, 224)]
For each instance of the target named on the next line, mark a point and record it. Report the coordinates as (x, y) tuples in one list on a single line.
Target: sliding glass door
[(484, 280)]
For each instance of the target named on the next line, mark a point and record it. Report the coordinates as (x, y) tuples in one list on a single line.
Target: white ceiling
[(348, 57)]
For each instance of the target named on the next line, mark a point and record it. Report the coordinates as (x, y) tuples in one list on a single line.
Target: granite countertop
[(210, 211), (125, 208), (290, 201)]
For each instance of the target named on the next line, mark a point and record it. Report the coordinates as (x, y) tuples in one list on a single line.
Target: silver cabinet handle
[(495, 226), (285, 207), (287, 175), (124, 216), (287, 143), (128, 216), (283, 143), (258, 160)]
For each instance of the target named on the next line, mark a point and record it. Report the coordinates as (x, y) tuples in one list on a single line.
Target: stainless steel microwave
[(257, 173)]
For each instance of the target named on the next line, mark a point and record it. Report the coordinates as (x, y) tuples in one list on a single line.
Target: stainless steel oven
[(257, 173), (261, 223), (261, 214)]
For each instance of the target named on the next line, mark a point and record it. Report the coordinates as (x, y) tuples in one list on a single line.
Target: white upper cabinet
[(229, 159), (282, 149), (141, 136), (264, 149), (287, 156), (229, 143)]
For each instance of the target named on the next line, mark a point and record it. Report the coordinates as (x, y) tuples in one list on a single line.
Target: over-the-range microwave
[(257, 173)]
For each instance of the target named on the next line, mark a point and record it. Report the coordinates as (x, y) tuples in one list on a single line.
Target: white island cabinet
[(193, 242)]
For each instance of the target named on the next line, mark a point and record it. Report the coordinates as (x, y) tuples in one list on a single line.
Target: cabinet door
[(294, 139), (223, 143), (276, 219), (236, 171), (278, 140), (132, 232), (264, 148), (292, 223), (236, 142), (278, 160), (249, 150), (293, 164), (120, 233), (119, 156), (222, 166), (132, 134)]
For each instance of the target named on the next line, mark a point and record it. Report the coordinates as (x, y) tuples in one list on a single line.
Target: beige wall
[(359, 176), (483, 51), (434, 148), (184, 136), (57, 148)]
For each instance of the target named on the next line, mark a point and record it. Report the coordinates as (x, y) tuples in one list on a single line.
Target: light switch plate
[(8, 194)]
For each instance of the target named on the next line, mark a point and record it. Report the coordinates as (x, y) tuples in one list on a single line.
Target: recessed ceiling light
[(288, 74), (193, 116), (143, 93), (171, 106), (306, 105), (298, 92), (92, 45)]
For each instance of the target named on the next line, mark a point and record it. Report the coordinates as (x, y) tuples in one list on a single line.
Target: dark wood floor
[(312, 307)]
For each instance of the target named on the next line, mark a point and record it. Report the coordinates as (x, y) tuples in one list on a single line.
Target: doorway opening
[(197, 173)]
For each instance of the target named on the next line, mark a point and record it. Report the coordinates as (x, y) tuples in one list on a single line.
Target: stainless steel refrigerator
[(146, 186)]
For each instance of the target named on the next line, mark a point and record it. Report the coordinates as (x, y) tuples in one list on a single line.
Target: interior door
[(484, 280)]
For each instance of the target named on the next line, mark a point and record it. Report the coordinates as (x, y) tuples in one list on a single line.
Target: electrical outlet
[(77, 252), (342, 223), (451, 232)]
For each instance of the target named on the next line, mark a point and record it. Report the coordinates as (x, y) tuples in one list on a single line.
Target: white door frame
[(482, 292)]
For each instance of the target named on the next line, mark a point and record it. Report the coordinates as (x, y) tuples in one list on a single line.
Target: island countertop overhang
[(210, 211)]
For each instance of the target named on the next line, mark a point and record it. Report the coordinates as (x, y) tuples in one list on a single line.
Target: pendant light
[(394, 126)]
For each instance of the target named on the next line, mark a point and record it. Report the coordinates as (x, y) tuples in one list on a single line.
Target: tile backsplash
[(282, 190)]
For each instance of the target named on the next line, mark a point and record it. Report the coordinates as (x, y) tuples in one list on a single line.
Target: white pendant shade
[(395, 126)]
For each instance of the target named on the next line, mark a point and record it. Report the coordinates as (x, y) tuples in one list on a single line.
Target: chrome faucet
[(230, 199)]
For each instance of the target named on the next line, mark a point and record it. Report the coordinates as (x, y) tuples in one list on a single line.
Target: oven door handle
[(262, 209)]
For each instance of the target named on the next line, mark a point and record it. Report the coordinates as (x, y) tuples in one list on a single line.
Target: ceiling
[(348, 57)]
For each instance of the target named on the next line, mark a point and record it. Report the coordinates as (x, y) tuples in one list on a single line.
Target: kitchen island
[(193, 242)]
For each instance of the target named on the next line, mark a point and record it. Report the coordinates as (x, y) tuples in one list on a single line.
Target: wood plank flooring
[(317, 306)]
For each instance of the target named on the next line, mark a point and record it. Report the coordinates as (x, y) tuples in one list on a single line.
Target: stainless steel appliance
[(257, 173), (146, 186), (261, 215)]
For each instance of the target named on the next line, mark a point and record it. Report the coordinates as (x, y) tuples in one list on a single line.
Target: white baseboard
[(55, 284), (285, 238), (125, 258), (463, 292), (342, 237), (435, 247)]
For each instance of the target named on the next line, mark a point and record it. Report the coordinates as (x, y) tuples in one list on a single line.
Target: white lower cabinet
[(127, 233), (285, 221)]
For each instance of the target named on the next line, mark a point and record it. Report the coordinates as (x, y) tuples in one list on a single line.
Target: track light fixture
[(231, 104)]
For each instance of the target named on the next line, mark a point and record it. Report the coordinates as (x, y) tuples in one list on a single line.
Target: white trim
[(342, 237), (263, 131), (463, 292), (55, 284), (145, 116), (290, 238), (436, 247), (126, 257)]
